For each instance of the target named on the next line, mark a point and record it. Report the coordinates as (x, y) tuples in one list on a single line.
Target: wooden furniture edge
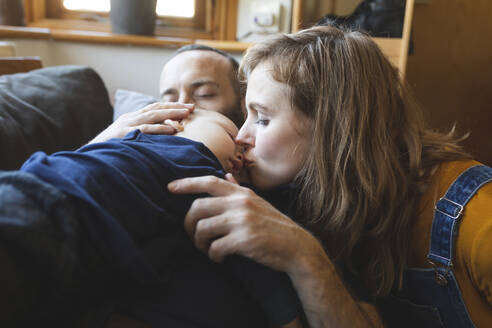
[(7, 32), (231, 46), (391, 48), (106, 37), (296, 20), (12, 65), (407, 27), (24, 32)]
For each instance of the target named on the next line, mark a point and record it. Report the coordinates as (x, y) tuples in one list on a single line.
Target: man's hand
[(149, 119), (237, 221)]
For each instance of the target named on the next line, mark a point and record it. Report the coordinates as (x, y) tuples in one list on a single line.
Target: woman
[(327, 111)]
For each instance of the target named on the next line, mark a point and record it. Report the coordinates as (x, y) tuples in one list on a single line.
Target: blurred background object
[(12, 12), (7, 49), (133, 17), (379, 18)]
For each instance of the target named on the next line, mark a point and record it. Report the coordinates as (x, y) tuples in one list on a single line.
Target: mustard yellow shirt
[(473, 248)]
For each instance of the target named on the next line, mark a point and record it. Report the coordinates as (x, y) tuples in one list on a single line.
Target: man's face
[(199, 77)]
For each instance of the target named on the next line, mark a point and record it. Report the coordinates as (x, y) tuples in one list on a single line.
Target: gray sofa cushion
[(50, 109), (126, 101)]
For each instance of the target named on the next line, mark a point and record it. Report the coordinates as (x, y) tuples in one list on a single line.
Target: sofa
[(50, 109)]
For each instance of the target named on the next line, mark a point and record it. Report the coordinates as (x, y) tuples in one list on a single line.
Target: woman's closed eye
[(261, 120)]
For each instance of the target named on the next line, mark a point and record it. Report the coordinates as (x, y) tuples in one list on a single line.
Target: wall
[(124, 67), (121, 67), (451, 69)]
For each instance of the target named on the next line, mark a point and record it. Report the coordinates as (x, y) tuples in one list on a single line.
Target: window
[(87, 5), (183, 8), (190, 19)]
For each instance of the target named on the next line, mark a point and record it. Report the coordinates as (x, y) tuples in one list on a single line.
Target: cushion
[(126, 101), (50, 109)]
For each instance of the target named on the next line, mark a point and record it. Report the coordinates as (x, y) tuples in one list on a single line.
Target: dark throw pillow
[(50, 109)]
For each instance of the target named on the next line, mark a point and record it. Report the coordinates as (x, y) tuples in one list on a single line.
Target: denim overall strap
[(449, 210)]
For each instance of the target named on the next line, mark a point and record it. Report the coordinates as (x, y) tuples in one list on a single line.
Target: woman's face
[(275, 136)]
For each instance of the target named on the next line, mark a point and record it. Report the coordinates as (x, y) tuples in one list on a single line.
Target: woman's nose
[(245, 137)]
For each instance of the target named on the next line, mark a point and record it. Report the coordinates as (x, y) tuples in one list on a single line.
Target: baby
[(215, 131), (117, 193)]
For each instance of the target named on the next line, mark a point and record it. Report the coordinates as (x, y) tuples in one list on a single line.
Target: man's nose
[(185, 98)]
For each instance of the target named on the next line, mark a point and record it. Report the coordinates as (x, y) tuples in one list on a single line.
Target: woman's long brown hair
[(371, 154)]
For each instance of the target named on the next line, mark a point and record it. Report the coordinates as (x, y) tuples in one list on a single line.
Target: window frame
[(213, 20)]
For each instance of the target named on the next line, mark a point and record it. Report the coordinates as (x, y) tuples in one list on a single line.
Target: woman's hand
[(237, 221), (149, 119)]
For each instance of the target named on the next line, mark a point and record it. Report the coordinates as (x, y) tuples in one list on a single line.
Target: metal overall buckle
[(440, 278), (455, 216)]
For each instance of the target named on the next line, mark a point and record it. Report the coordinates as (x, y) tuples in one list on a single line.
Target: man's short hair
[(190, 47), (237, 116)]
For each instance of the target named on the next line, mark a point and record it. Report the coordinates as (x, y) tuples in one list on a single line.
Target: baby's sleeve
[(272, 289)]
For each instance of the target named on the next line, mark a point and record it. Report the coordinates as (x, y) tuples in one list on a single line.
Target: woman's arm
[(326, 300), (149, 119), (237, 221)]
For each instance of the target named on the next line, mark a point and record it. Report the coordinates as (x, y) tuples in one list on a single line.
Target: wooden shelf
[(231, 46), (9, 32)]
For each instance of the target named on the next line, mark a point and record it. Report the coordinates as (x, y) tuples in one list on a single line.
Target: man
[(198, 76)]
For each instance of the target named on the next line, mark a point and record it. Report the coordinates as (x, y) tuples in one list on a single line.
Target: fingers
[(207, 184), (210, 229), (159, 115), (203, 208), (168, 105), (175, 124), (222, 247), (156, 129)]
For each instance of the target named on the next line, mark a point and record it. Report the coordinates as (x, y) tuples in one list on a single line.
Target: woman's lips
[(237, 165), (247, 163)]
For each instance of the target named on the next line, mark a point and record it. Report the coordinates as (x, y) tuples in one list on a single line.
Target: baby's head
[(217, 132)]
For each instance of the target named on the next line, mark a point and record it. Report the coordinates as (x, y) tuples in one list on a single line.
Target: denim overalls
[(431, 297)]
